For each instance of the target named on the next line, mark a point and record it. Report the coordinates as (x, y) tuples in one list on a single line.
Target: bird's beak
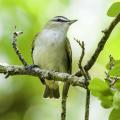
[(72, 21)]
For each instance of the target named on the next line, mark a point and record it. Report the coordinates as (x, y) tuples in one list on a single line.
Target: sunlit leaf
[(117, 85), (115, 114), (100, 89), (114, 63), (115, 71), (114, 9), (116, 100)]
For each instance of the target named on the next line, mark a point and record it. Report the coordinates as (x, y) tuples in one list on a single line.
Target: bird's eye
[(59, 20)]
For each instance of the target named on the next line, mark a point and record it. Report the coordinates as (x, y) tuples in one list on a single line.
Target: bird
[(51, 50)]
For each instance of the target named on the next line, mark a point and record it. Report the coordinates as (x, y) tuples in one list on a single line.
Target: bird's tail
[(51, 92)]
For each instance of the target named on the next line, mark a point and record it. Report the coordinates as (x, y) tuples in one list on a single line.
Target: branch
[(37, 72), (86, 77), (81, 44), (15, 35), (87, 105), (64, 99), (101, 45), (67, 85), (111, 79)]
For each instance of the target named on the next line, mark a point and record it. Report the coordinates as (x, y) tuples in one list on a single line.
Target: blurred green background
[(21, 96)]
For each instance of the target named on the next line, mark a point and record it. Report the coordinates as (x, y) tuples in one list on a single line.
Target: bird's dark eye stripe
[(60, 20)]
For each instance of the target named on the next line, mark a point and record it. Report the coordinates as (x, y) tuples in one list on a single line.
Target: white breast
[(49, 50)]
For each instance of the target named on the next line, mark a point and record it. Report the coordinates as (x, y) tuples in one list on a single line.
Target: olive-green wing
[(33, 42), (69, 55)]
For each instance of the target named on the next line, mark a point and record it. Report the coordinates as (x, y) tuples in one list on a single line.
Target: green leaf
[(114, 9), (100, 89), (117, 85), (116, 100), (115, 71), (114, 62), (107, 101), (115, 114)]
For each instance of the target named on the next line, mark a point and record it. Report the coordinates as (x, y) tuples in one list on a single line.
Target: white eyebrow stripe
[(64, 19)]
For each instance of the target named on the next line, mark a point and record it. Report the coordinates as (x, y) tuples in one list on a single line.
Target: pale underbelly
[(50, 59)]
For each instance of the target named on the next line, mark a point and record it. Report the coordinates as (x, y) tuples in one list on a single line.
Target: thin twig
[(101, 45), (15, 35), (111, 79), (86, 77), (111, 62), (87, 104), (64, 99), (83, 51), (65, 90)]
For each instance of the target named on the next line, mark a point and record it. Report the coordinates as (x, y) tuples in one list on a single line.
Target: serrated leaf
[(114, 9), (115, 114), (116, 100)]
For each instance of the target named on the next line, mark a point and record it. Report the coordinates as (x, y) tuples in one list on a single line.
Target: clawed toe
[(29, 67)]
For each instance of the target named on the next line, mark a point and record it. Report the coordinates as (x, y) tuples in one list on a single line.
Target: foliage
[(100, 89), (114, 9), (115, 114), (108, 90)]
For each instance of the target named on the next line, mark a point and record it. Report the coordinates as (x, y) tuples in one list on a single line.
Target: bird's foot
[(42, 79), (29, 67)]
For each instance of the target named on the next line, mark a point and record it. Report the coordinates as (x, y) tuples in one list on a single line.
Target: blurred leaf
[(10, 115), (115, 114), (100, 89), (117, 85), (116, 100), (113, 62), (115, 71), (107, 101), (65, 2), (114, 9)]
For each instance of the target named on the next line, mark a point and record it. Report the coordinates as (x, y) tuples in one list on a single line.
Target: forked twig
[(86, 77), (14, 44)]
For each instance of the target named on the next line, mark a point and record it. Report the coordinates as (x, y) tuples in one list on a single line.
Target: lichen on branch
[(37, 72)]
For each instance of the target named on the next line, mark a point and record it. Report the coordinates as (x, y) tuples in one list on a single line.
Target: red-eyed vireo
[(52, 51)]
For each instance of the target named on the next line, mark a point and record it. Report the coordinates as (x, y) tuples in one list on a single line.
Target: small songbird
[(51, 50)]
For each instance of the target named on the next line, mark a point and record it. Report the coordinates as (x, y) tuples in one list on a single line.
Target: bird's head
[(60, 22)]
